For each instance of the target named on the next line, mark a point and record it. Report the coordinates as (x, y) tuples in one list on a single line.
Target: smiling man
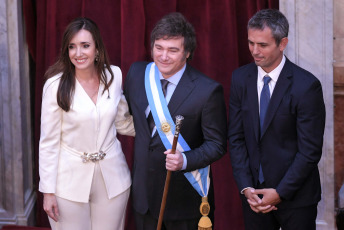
[(156, 93), (276, 127)]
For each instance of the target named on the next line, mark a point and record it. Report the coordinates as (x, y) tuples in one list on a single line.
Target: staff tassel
[(205, 222), (179, 120)]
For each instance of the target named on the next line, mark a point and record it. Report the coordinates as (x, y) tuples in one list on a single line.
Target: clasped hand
[(267, 203), (174, 162)]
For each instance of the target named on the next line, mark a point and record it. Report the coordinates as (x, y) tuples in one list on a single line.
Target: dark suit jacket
[(200, 100), (290, 145)]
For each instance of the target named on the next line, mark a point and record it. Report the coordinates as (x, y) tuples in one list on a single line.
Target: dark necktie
[(264, 102), (150, 119)]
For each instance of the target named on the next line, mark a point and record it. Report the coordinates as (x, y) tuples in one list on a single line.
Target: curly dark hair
[(175, 25)]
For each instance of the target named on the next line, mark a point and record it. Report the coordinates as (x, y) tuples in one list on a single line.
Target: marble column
[(311, 47), (17, 196)]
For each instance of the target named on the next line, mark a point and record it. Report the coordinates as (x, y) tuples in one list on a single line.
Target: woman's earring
[(97, 57)]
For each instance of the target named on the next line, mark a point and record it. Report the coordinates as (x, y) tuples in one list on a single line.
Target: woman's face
[(82, 50)]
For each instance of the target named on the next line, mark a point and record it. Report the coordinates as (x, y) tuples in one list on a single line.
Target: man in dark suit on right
[(276, 127)]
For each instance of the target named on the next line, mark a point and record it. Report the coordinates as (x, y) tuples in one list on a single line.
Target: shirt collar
[(174, 79), (274, 74)]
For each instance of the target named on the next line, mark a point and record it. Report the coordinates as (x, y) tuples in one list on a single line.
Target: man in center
[(183, 91)]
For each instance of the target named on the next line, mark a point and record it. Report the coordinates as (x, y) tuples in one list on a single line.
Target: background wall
[(338, 78), (17, 192)]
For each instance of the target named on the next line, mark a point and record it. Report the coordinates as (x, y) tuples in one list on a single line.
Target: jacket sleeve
[(237, 143), (49, 144), (214, 128), (310, 124), (124, 121)]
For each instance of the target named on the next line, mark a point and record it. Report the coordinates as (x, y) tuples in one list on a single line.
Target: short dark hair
[(273, 19), (175, 25)]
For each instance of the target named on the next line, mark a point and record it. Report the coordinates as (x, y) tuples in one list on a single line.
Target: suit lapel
[(283, 83), (252, 95), (182, 91)]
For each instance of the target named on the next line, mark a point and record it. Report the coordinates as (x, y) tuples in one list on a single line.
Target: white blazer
[(86, 127)]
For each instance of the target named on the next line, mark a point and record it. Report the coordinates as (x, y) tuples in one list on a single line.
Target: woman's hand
[(50, 206)]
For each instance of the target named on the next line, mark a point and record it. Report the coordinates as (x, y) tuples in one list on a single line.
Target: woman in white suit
[(83, 172)]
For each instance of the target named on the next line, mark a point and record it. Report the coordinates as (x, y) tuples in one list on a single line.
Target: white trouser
[(99, 214)]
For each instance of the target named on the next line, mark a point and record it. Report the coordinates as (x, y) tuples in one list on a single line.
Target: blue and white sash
[(199, 179)]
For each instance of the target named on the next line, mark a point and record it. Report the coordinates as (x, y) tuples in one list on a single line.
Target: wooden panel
[(339, 143)]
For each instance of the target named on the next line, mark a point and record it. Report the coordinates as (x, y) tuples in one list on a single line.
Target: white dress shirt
[(274, 74)]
